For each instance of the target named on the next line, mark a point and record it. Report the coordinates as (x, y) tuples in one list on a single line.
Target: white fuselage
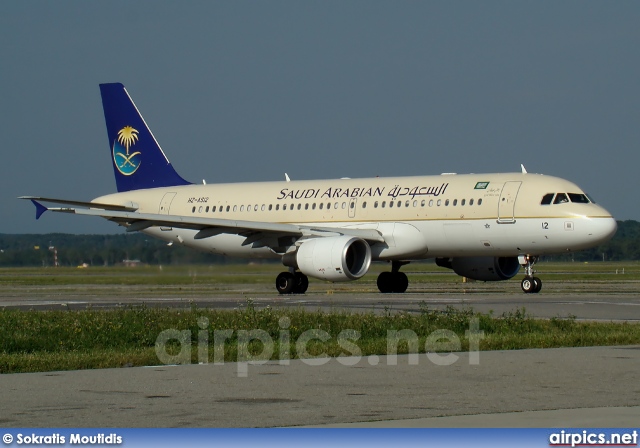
[(418, 217)]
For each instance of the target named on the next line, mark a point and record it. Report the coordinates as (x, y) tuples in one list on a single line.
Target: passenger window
[(284, 206), (463, 201), (313, 207), (299, 206), (431, 203), (399, 203), (277, 207), (439, 202), (480, 201), (383, 203), (228, 207), (406, 204), (561, 198), (546, 199), (578, 198), (423, 203), (446, 203), (306, 206), (344, 204), (470, 201), (213, 209), (455, 202), (270, 207), (364, 205), (261, 208), (321, 206), (352, 205)]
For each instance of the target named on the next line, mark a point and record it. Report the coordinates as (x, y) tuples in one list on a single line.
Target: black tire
[(528, 285), (385, 282), (400, 282), (538, 283), (285, 282), (301, 283)]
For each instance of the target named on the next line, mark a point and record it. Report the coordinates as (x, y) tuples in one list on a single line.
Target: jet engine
[(337, 259), (488, 269)]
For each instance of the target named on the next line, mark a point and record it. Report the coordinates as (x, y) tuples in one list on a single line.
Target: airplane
[(481, 226)]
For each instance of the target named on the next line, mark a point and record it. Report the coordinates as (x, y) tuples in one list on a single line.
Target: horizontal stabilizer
[(130, 207), (40, 209)]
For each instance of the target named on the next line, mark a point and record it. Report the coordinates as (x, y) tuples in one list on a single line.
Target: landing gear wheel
[(385, 282), (396, 282), (301, 283), (538, 283), (531, 285), (401, 282), (285, 283)]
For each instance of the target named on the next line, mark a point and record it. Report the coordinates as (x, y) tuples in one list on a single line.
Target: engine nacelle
[(337, 259), (488, 269)]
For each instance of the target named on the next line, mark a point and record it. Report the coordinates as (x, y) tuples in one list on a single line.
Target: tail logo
[(127, 163)]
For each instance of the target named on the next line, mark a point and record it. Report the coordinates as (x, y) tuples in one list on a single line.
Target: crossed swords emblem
[(127, 158)]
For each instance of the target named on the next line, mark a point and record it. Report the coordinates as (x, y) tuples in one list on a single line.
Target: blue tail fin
[(138, 160)]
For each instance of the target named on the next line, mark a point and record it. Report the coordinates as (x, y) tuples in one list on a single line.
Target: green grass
[(35, 341)]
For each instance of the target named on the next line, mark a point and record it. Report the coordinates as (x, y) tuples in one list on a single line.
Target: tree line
[(109, 250)]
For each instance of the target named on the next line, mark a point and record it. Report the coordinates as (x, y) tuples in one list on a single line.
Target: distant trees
[(95, 250), (101, 250)]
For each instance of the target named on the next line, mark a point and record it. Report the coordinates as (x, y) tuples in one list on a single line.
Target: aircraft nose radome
[(604, 228)]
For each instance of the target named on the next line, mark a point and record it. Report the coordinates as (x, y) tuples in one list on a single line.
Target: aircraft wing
[(207, 227)]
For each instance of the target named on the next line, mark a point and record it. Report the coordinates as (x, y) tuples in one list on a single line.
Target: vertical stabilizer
[(138, 161)]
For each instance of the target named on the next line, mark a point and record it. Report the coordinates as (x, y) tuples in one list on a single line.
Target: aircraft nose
[(604, 228)]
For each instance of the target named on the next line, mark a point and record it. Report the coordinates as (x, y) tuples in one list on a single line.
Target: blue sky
[(241, 91)]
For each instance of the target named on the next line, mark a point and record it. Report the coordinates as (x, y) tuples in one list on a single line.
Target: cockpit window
[(561, 198), (590, 198), (579, 198), (547, 198)]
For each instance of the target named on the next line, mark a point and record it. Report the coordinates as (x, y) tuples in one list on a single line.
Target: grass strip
[(37, 341)]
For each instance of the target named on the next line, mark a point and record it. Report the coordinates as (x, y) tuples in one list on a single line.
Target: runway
[(617, 306), (506, 388), (564, 387)]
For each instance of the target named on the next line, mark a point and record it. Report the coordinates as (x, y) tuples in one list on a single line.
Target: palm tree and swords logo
[(126, 163)]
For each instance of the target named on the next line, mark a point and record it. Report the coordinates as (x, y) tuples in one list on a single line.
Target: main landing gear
[(530, 284), (394, 281), (292, 282)]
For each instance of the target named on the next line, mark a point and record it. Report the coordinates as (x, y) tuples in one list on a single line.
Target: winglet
[(40, 209)]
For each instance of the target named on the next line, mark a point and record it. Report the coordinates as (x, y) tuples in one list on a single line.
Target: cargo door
[(165, 206)]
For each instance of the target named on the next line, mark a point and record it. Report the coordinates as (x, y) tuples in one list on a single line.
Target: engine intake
[(337, 259)]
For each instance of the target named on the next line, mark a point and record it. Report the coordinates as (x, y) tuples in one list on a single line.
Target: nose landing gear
[(530, 284)]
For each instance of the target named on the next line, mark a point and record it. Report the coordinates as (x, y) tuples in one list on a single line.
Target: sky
[(240, 91)]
